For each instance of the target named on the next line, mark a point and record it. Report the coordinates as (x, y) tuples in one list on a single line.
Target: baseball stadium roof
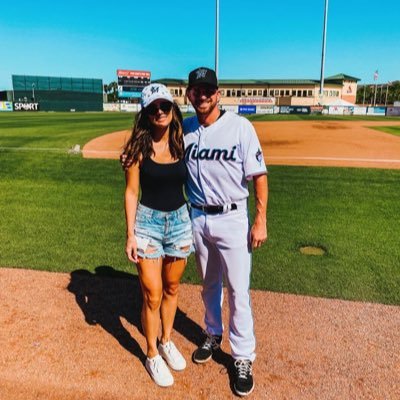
[(338, 79), (245, 81), (342, 77), (267, 81)]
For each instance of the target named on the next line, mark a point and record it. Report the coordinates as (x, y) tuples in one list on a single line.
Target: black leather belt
[(215, 209)]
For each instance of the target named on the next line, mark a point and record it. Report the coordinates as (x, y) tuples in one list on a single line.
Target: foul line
[(33, 149), (102, 151), (372, 160)]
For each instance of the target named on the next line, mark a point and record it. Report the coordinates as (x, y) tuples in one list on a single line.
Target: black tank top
[(162, 184)]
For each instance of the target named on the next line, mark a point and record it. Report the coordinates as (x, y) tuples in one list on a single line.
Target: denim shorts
[(163, 233)]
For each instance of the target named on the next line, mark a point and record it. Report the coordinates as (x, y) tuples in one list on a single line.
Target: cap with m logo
[(203, 76)]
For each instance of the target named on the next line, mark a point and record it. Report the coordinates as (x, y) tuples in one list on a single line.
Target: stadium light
[(216, 35), (321, 90)]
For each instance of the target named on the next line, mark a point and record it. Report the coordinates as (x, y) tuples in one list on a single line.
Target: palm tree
[(112, 91)]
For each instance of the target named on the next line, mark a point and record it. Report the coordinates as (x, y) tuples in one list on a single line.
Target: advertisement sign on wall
[(233, 109), (393, 111), (381, 111), (26, 106), (316, 109), (257, 100), (265, 109), (336, 110), (247, 109), (129, 107), (359, 110), (6, 106), (111, 107), (294, 110)]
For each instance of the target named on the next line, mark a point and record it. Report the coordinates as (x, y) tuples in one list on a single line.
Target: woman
[(158, 228)]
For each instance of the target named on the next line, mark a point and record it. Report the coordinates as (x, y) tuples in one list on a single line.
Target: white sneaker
[(159, 371), (172, 356)]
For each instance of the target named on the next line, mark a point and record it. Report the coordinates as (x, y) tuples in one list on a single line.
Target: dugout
[(58, 93)]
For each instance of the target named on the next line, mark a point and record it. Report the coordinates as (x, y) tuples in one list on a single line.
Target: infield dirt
[(77, 337), (316, 143)]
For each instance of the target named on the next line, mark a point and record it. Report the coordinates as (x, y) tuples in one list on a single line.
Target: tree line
[(111, 90), (386, 93)]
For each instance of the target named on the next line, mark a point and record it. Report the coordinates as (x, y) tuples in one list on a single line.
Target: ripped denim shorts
[(163, 233)]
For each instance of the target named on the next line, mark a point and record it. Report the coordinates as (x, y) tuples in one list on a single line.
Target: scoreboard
[(131, 83)]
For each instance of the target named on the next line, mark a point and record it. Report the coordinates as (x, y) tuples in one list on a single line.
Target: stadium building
[(338, 89)]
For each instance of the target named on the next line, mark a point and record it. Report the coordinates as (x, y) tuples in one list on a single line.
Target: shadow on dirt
[(108, 296)]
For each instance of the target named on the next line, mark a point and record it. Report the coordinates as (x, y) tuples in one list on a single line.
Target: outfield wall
[(274, 109), (7, 106), (58, 93)]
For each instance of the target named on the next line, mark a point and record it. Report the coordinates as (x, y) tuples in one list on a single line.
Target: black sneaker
[(205, 351), (244, 383)]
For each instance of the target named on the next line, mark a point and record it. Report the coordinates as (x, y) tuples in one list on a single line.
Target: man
[(222, 154)]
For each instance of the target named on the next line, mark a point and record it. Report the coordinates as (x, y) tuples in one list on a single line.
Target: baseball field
[(327, 325)]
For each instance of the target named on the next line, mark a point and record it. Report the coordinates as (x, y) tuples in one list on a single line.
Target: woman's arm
[(131, 201)]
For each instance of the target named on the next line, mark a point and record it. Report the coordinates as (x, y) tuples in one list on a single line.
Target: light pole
[(364, 94), (321, 89), (387, 92), (216, 35), (33, 92), (376, 86)]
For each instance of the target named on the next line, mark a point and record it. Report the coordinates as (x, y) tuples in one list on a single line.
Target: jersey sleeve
[(253, 158)]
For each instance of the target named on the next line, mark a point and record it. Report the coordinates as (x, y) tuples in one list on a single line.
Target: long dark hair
[(140, 142)]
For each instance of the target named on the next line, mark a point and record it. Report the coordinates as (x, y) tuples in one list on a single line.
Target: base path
[(317, 143), (77, 336)]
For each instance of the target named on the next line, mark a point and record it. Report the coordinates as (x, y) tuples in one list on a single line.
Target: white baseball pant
[(223, 252)]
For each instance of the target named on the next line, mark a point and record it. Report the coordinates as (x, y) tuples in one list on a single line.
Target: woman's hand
[(131, 249)]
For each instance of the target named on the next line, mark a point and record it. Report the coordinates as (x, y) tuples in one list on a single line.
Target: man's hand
[(258, 233), (125, 161)]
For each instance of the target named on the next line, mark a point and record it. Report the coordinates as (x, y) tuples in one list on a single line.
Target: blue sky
[(259, 39)]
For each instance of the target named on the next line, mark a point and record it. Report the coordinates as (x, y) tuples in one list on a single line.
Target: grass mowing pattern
[(393, 130), (58, 130), (352, 213), (63, 213)]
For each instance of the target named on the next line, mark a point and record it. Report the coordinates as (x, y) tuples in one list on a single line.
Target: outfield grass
[(394, 130), (61, 213), (58, 130)]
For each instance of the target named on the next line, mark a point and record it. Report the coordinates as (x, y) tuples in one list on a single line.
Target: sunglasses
[(164, 106), (204, 91)]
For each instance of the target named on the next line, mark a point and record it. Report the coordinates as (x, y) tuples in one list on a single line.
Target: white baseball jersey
[(221, 159)]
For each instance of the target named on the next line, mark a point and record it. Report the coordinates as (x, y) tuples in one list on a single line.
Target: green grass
[(58, 130), (62, 213), (353, 213), (393, 130)]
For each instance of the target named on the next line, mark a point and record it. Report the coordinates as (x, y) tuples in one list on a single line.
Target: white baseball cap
[(155, 91)]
